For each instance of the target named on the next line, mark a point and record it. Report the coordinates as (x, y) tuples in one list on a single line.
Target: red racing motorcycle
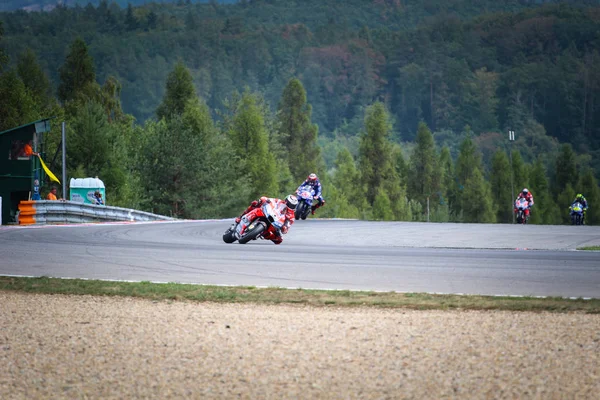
[(262, 222)]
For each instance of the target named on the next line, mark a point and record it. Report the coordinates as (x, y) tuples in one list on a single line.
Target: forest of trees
[(401, 107)]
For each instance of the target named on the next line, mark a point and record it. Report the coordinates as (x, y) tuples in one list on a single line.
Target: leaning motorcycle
[(305, 196), (267, 218), (576, 213), (520, 206)]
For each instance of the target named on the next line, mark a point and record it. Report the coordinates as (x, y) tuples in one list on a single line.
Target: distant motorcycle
[(255, 224), (576, 213), (305, 194), (520, 206)]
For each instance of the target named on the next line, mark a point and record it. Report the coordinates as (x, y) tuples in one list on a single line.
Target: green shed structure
[(18, 170)]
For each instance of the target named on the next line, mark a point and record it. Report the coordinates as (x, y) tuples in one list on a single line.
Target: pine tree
[(468, 158), (375, 152), (565, 170), (544, 206), (377, 162), (588, 186), (180, 89), (131, 22), (89, 139), (423, 178), (564, 200), (382, 207), (500, 186), (34, 78), (298, 133), (518, 169), (448, 187), (346, 198), (401, 165), (16, 105), (188, 169), (77, 74), (110, 98), (467, 162), (251, 142), (477, 200)]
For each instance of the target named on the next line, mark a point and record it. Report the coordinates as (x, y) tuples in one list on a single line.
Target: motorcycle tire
[(254, 229), (229, 236), (306, 212), (300, 209), (519, 217)]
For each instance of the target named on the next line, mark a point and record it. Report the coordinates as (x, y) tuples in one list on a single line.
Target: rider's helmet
[(579, 196), (291, 201), (312, 178), (525, 191)]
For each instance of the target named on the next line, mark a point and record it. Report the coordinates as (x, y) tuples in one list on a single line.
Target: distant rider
[(584, 204), (286, 207), (313, 181), (526, 194)]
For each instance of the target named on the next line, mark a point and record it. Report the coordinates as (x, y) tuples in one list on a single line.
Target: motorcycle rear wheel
[(252, 233)]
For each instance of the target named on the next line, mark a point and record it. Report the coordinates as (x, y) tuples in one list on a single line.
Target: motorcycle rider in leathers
[(313, 181), (289, 204), (526, 194)]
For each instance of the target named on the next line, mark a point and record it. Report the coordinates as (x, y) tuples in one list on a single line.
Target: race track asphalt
[(488, 259)]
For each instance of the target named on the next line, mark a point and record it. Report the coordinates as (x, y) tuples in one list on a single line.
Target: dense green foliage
[(193, 109)]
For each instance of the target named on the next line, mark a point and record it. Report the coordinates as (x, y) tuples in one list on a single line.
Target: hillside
[(411, 99)]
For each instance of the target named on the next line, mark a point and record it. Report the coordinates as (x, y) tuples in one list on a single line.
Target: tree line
[(188, 164), (523, 65)]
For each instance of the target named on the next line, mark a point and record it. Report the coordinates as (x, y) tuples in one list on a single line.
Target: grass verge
[(589, 248), (319, 298)]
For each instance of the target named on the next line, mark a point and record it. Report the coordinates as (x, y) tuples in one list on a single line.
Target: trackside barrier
[(58, 211)]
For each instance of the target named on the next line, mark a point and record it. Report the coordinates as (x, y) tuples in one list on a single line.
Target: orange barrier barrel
[(27, 212)]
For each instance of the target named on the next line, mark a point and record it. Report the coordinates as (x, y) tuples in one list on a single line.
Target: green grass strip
[(589, 248), (318, 298)]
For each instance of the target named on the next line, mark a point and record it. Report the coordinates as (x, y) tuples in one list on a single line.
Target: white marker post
[(511, 138)]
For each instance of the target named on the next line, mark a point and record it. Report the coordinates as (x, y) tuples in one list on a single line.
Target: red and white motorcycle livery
[(521, 205), (264, 222)]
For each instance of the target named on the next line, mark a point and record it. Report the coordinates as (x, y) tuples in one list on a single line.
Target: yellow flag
[(48, 172)]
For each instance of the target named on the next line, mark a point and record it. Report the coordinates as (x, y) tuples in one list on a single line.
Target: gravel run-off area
[(76, 347)]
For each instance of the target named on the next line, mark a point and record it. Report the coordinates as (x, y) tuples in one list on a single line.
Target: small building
[(21, 175)]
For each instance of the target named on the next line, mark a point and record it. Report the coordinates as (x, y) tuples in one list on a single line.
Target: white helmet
[(291, 201), (525, 190)]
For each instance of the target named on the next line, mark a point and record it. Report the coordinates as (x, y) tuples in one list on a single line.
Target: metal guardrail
[(63, 211)]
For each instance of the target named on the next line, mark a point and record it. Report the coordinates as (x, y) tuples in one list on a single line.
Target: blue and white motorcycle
[(305, 194)]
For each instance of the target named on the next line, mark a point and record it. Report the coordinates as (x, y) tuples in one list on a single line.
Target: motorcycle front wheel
[(254, 229), (229, 235), (300, 209)]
